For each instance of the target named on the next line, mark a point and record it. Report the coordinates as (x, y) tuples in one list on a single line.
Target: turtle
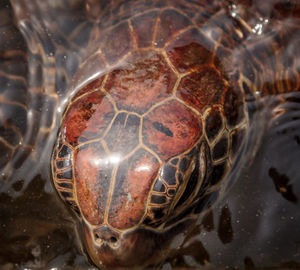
[(154, 115)]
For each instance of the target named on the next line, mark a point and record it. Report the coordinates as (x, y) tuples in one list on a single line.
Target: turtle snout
[(105, 235)]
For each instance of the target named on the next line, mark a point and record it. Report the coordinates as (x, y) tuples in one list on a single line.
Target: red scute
[(93, 176), (180, 129), (134, 178), (87, 118), (142, 82)]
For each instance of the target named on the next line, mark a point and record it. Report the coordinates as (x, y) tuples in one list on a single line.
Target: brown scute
[(65, 175), (190, 51), (65, 152), (184, 164), (66, 185), (143, 81), (190, 188), (64, 163), (174, 161), (87, 118), (66, 195), (168, 173), (158, 199), (134, 179), (143, 27), (220, 150), (181, 121), (123, 135), (117, 42), (233, 106), (179, 177), (93, 173), (202, 88), (213, 123), (171, 192), (169, 24), (217, 173), (159, 186)]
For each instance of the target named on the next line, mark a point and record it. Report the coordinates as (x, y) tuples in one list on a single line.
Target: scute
[(169, 24), (87, 118), (144, 80), (143, 27), (117, 43), (213, 123), (202, 88), (183, 125), (134, 178), (123, 135), (189, 51), (93, 173)]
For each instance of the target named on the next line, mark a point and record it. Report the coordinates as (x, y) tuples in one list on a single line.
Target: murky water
[(256, 224)]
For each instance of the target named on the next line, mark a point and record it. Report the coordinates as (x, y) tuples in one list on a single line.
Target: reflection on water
[(255, 225)]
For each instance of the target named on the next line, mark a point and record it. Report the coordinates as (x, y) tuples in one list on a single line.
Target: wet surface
[(256, 224)]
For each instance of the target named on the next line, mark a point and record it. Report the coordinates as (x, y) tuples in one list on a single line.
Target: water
[(257, 222)]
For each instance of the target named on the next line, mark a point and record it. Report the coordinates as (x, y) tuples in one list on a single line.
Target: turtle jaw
[(135, 248)]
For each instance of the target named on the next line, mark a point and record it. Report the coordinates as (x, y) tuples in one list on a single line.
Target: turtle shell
[(131, 150)]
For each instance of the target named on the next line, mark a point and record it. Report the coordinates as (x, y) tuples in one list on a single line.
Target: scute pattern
[(93, 173), (88, 118), (170, 23), (136, 87), (163, 95), (185, 129), (202, 88), (130, 193), (123, 135), (163, 114), (189, 51)]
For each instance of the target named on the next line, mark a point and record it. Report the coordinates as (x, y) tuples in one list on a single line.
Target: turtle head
[(140, 247), (132, 208), (131, 186)]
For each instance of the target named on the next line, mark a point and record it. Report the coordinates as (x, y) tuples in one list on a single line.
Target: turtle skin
[(158, 115)]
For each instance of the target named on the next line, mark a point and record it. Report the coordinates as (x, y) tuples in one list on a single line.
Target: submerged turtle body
[(153, 135), (161, 114), (156, 111), (146, 144)]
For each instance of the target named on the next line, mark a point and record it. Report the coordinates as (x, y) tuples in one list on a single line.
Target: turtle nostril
[(106, 235), (113, 240)]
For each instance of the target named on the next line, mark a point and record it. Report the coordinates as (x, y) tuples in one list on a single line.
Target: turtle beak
[(108, 248), (135, 248)]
